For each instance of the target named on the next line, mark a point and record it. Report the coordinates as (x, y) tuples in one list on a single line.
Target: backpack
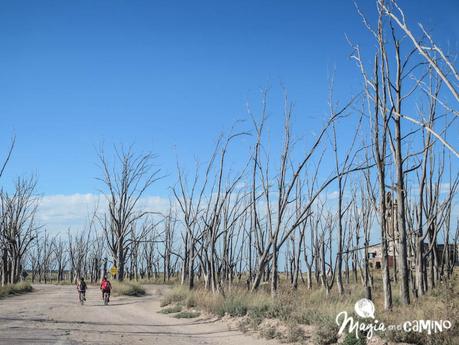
[(105, 285), (82, 286)]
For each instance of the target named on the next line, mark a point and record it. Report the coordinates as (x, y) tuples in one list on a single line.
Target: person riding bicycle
[(81, 287), (105, 287)]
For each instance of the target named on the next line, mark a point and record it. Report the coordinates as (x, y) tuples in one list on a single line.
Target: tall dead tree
[(385, 97), (190, 200), (125, 180), (61, 255), (168, 243), (340, 168), (376, 100), (78, 244), (277, 195), (17, 226)]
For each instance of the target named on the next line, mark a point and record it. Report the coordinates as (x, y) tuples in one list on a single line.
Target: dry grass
[(187, 314), (15, 289), (127, 289), (297, 309), (171, 310), (442, 303)]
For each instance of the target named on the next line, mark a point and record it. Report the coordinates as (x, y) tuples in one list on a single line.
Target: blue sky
[(168, 76)]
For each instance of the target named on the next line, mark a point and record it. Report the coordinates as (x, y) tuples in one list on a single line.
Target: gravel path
[(51, 315)]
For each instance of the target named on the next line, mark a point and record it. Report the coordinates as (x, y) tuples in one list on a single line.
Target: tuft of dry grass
[(187, 315), (177, 294), (127, 289), (15, 289), (171, 310)]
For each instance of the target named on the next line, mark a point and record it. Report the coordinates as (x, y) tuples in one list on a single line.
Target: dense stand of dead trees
[(309, 214), (405, 190)]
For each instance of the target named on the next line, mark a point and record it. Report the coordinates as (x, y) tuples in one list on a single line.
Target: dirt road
[(51, 315)]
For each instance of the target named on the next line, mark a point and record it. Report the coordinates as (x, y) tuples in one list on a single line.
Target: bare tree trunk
[(400, 188)]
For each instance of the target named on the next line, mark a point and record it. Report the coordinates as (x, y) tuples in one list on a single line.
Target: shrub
[(15, 289), (234, 305), (171, 310), (281, 309), (178, 294), (128, 289), (294, 333), (326, 334), (187, 315), (244, 325), (268, 332), (191, 302), (351, 339)]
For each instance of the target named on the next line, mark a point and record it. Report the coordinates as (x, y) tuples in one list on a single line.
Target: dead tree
[(61, 257), (47, 257), (428, 49), (78, 250), (190, 201), (125, 181), (218, 200), (17, 226), (368, 203), (342, 179), (95, 257), (312, 260), (327, 267), (280, 220)]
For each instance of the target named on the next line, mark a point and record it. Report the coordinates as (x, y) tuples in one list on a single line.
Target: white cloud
[(445, 187), (154, 203), (59, 212), (333, 195)]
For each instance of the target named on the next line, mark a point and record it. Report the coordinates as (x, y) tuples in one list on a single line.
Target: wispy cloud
[(59, 212)]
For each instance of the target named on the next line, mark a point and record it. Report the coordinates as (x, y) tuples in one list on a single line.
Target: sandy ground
[(52, 315)]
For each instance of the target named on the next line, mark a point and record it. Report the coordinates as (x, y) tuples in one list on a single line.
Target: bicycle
[(81, 296), (106, 297)]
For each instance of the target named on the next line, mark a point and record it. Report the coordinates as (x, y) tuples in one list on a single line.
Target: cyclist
[(81, 287), (105, 286)]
